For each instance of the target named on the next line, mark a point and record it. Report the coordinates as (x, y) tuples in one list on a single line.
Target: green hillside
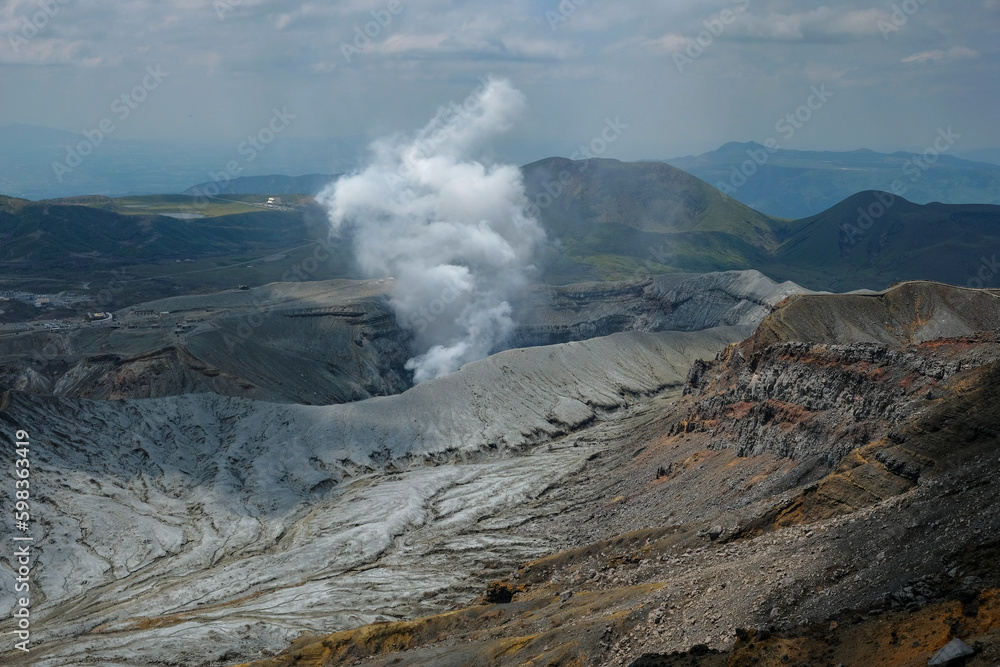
[(851, 246), (88, 245), (614, 220), (82, 235), (605, 220), (275, 184), (643, 196)]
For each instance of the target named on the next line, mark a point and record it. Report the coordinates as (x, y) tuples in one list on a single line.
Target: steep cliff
[(309, 343), (796, 388)]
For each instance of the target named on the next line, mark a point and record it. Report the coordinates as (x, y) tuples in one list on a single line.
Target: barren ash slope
[(824, 493), (337, 341), (204, 529)]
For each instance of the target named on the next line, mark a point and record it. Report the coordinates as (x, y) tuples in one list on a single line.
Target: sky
[(675, 77)]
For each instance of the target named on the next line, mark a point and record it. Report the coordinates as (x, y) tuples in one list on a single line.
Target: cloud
[(282, 21), (606, 58), (323, 67), (824, 24), (937, 55), (474, 42), (820, 72), (669, 43), (820, 24)]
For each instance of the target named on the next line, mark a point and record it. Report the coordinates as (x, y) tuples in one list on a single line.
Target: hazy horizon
[(37, 162), (685, 79)]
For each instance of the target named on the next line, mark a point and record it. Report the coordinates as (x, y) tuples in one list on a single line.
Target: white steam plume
[(453, 232)]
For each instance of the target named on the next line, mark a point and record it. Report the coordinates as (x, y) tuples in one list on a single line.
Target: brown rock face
[(798, 400)]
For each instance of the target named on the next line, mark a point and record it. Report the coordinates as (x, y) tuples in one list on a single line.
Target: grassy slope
[(614, 220), (843, 250), (649, 197), (55, 231), (608, 220), (122, 247)]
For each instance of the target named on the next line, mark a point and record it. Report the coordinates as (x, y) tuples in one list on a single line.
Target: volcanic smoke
[(453, 232)]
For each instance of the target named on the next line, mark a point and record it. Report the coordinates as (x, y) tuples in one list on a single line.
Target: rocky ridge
[(672, 302), (337, 341)]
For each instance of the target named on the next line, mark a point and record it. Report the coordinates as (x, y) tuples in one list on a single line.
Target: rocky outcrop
[(911, 312), (795, 389), (801, 400), (744, 521)]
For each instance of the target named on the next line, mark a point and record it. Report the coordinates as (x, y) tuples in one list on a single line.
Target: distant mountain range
[(118, 167), (796, 184), (613, 220), (991, 155), (784, 183), (605, 220)]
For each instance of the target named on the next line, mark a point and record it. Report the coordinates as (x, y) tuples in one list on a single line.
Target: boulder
[(952, 651)]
